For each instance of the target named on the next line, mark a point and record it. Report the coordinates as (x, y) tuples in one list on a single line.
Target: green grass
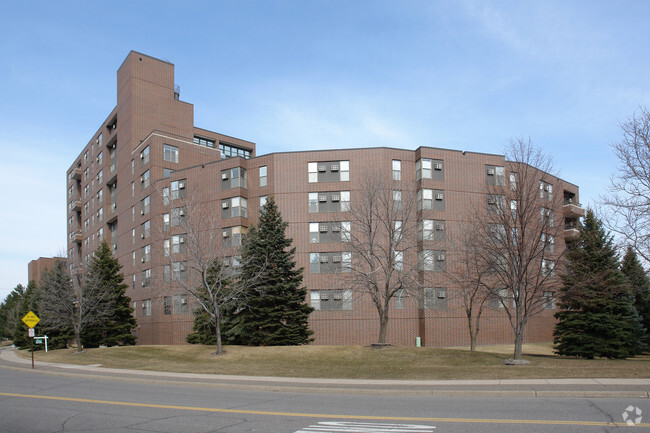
[(356, 362)]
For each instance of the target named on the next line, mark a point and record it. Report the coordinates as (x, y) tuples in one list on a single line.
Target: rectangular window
[(167, 247), (167, 303), (144, 155), (426, 168), (145, 205), (178, 189), (170, 153), (431, 230), (234, 207), (166, 222), (263, 176), (547, 216), (146, 307), (145, 228), (545, 191), (495, 175), (181, 305), (549, 300), (399, 299), (146, 278), (236, 177), (263, 201), (397, 200), (179, 271), (432, 260), (165, 196), (513, 181), (144, 179), (331, 299), (329, 263), (548, 268), (328, 171), (496, 204), (146, 254), (179, 243), (177, 216), (397, 170), (434, 298), (232, 236)]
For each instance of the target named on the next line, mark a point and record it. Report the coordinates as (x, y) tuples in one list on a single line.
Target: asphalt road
[(40, 402)]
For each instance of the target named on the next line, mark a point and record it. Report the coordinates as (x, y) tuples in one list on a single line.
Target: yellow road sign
[(31, 319)]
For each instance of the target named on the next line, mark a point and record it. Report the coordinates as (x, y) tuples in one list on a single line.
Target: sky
[(298, 74)]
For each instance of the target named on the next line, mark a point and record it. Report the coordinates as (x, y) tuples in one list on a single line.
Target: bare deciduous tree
[(516, 235), (469, 274), (627, 207), (75, 304), (383, 244), (203, 262)]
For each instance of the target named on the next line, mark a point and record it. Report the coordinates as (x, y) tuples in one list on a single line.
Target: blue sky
[(295, 75)]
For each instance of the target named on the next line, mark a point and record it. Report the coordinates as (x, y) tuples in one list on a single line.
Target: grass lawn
[(357, 362)]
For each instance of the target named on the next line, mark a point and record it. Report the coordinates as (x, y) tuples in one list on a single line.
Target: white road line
[(359, 427)]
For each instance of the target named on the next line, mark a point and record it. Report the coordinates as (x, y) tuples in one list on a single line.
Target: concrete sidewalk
[(577, 388)]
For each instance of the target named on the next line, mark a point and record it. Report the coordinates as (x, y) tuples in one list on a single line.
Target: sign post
[(30, 319)]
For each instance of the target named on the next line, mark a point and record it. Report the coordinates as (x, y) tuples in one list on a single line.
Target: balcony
[(75, 206), (572, 209), (76, 236), (571, 229), (75, 174)]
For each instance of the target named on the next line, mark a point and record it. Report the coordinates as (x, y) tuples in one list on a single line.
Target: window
[(263, 201), (545, 191), (179, 243), (345, 231), (144, 179), (329, 171), (181, 305), (170, 153), (178, 189), (434, 298), (100, 159), (398, 260), (145, 205), (427, 199), (432, 260), (100, 177), (345, 201), (234, 178), (314, 233), (431, 230), (165, 196), (495, 175), (167, 172), (231, 151), (549, 300), (146, 307), (146, 277), (397, 170), (329, 263), (263, 178), (397, 200), (166, 222), (234, 207), (167, 305), (167, 247), (207, 142), (146, 254), (513, 181), (548, 242), (547, 216), (548, 268), (100, 234), (331, 299), (399, 299), (496, 203), (232, 236), (144, 155), (100, 214), (146, 229), (338, 201), (178, 216), (426, 168), (179, 271)]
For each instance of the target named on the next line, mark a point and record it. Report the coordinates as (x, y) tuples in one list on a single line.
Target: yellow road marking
[(329, 416)]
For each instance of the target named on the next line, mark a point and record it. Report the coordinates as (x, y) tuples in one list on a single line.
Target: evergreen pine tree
[(58, 334), (27, 304), (597, 317), (9, 309), (638, 278), (104, 271), (276, 313)]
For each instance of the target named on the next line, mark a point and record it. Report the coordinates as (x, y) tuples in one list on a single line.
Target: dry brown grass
[(352, 362)]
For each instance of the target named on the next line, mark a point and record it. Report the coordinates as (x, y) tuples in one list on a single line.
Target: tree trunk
[(383, 324), (519, 341), (217, 327)]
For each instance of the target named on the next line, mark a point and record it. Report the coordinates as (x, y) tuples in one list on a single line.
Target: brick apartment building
[(129, 183)]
